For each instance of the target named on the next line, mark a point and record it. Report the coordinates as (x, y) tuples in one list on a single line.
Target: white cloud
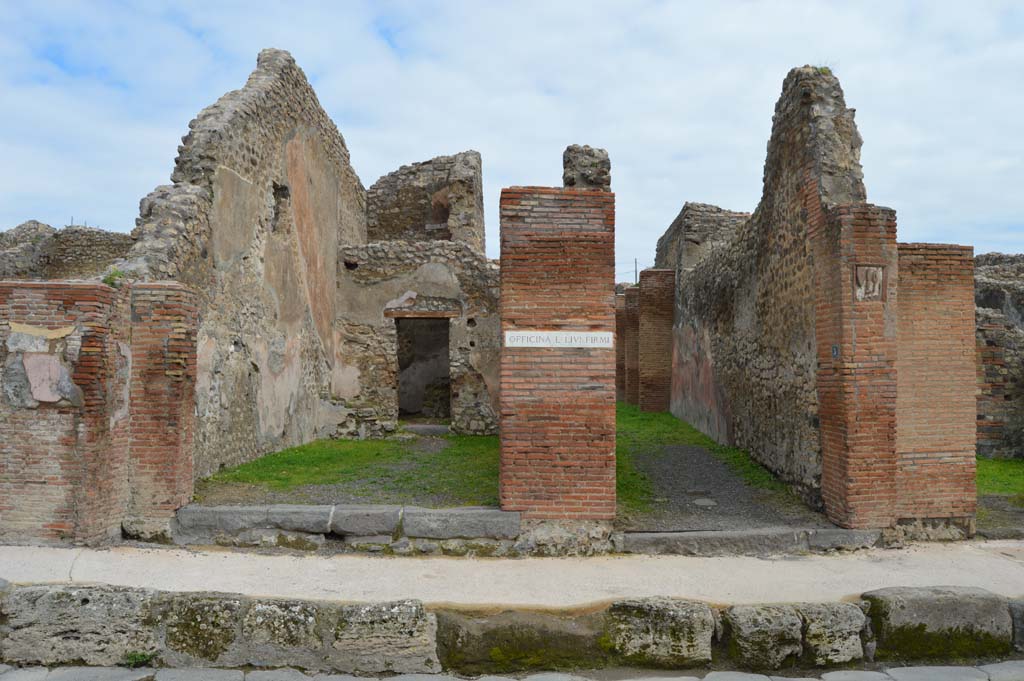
[(97, 95)]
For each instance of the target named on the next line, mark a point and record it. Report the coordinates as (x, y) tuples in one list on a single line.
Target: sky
[(95, 96)]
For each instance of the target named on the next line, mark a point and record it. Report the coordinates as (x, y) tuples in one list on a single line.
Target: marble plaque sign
[(559, 339)]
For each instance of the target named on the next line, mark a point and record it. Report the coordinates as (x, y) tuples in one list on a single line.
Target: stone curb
[(474, 531), (103, 625)]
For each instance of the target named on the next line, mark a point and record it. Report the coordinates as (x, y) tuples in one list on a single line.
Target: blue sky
[(95, 96)]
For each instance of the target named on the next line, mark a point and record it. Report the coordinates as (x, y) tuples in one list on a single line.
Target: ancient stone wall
[(936, 370), (263, 196), (654, 351), (620, 346), (631, 341), (745, 347), (698, 228), (385, 280), (558, 403), (34, 250), (999, 297), (441, 198), (95, 408)]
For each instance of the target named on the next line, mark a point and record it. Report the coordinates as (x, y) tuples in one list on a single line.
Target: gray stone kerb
[(352, 521)]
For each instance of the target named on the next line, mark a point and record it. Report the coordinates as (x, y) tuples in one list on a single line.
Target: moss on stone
[(203, 629), (917, 643)]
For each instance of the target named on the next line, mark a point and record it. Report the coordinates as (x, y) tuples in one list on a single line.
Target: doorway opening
[(424, 378)]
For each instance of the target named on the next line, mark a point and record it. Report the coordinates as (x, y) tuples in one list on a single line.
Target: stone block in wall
[(661, 632), (763, 636), (832, 633), (654, 340)]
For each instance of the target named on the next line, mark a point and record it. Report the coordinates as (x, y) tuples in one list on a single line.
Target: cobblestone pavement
[(1003, 671)]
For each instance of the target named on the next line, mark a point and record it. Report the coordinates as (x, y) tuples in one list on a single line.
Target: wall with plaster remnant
[(384, 280), (263, 195)]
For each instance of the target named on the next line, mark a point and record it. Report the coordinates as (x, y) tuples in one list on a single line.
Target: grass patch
[(1003, 477), (464, 473), (638, 431)]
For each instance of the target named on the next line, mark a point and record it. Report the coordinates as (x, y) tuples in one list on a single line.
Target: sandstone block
[(763, 636), (467, 523), (365, 521), (108, 624), (832, 632), (661, 632), (939, 622)]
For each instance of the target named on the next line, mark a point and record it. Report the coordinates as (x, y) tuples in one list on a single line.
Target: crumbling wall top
[(698, 228), (586, 167)]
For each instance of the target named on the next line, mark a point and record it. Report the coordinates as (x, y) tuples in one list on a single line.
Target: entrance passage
[(424, 382)]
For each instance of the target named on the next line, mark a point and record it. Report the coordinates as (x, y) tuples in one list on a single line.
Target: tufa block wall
[(558, 404), (936, 370), (631, 341), (82, 452), (439, 199), (654, 347)]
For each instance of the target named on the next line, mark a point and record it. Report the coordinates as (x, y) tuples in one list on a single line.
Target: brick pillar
[(163, 374), (620, 347), (936, 366), (558, 401), (654, 345), (631, 337), (856, 272)]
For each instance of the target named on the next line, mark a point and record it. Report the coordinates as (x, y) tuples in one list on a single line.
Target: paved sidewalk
[(1006, 671), (533, 582)]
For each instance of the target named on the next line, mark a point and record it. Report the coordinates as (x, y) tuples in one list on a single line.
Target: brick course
[(558, 404), (654, 344)]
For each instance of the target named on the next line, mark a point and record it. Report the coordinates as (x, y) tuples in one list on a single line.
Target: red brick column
[(856, 269), (163, 348), (654, 352), (937, 383), (558, 403), (620, 347), (631, 339)]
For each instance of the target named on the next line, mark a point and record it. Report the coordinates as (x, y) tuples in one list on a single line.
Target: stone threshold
[(55, 625), (480, 531)]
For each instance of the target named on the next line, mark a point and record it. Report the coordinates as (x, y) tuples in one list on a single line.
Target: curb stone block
[(398, 637), (29, 674), (838, 538), (518, 641), (365, 521), (939, 623), (832, 632), (297, 518), (763, 636), (464, 523), (108, 623), (735, 676), (852, 675), (199, 674), (1017, 616), (277, 675), (937, 674), (762, 542), (99, 674), (222, 518), (661, 632)]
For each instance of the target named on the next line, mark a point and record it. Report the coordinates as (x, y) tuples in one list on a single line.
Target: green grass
[(640, 431), (1001, 476), (466, 472)]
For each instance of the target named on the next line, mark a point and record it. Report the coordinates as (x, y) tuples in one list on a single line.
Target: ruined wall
[(936, 372), (437, 199), (34, 250), (999, 297), (654, 351), (745, 348), (698, 228), (382, 281), (95, 404), (263, 196), (631, 341), (620, 346)]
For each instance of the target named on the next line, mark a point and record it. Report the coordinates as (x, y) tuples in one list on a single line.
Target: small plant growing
[(824, 70), (136, 658), (113, 277)]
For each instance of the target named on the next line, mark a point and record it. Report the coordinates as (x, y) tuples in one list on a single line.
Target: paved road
[(531, 582), (1007, 671)]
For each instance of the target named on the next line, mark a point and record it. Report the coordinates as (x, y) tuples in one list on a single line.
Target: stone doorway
[(424, 376)]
